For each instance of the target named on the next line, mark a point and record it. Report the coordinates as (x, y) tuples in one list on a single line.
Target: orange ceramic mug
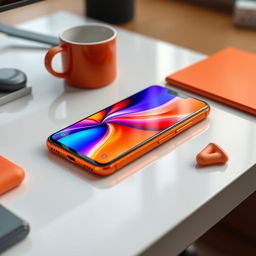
[(88, 56)]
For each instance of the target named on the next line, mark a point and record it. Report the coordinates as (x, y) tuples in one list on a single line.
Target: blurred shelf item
[(220, 4), (245, 13)]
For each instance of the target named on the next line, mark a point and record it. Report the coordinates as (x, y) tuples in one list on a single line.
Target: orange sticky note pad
[(11, 175), (227, 76)]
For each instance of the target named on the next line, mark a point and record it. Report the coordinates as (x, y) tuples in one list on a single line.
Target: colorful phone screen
[(118, 129)]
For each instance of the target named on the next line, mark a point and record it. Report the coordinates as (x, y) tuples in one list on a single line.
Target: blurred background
[(202, 25)]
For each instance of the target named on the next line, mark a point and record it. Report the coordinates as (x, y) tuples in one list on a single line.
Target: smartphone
[(6, 97), (106, 141)]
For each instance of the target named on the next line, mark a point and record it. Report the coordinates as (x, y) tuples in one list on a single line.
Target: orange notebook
[(228, 76)]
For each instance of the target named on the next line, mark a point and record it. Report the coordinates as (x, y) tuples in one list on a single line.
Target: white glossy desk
[(163, 194)]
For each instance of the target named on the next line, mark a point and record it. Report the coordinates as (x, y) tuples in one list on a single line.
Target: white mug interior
[(88, 34)]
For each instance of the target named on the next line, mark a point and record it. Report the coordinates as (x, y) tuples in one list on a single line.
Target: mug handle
[(49, 58)]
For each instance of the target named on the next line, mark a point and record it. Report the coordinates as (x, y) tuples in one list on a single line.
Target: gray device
[(12, 79), (6, 97), (21, 33), (10, 4), (28, 35), (12, 85), (12, 229)]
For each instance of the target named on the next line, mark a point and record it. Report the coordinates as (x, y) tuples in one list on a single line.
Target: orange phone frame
[(105, 170)]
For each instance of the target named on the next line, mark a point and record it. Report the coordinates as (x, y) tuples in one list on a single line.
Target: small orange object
[(211, 154), (11, 175)]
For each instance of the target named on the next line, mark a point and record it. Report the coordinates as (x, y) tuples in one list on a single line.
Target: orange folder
[(228, 76)]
